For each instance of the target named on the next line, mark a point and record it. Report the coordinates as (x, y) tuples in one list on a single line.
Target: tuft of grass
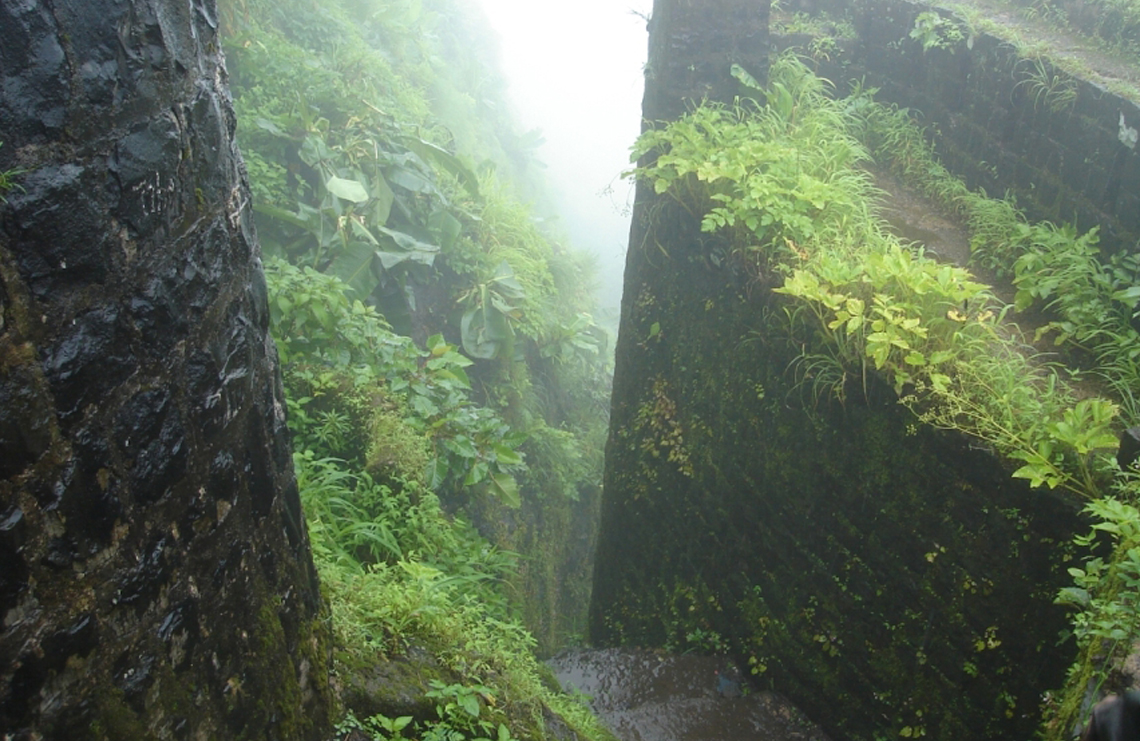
[(1049, 87), (8, 181)]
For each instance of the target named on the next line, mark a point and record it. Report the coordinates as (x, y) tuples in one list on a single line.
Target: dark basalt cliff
[(892, 581), (155, 579)]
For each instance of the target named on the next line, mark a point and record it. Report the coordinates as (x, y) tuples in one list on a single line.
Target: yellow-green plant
[(934, 31), (1050, 87)]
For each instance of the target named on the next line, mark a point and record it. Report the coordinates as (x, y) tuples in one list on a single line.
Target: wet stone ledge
[(155, 578)]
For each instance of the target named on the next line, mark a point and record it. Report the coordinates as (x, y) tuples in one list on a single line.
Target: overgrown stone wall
[(1005, 120), (893, 581), (155, 579)]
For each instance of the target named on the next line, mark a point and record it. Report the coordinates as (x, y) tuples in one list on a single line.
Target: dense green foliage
[(783, 179), (379, 427), (441, 365)]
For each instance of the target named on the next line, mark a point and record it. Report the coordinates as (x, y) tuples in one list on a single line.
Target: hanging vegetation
[(440, 360)]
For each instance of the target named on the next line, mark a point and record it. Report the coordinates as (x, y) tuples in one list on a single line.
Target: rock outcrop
[(155, 578), (892, 581)]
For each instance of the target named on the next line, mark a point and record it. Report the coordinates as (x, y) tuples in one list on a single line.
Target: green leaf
[(446, 227), (470, 704), (746, 79), (314, 151), (437, 472), (1073, 596), (458, 375), (506, 456), (383, 200), (408, 242), (940, 382), (354, 267), (497, 325), (424, 406), (409, 249), (349, 190), (267, 125), (361, 231), (507, 489), (1128, 296), (477, 474), (1035, 474), (411, 180), (474, 340), (463, 446), (446, 160)]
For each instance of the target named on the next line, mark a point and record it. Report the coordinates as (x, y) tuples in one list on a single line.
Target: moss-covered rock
[(394, 686), (893, 581)]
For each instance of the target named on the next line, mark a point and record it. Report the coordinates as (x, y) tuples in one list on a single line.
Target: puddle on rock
[(650, 696)]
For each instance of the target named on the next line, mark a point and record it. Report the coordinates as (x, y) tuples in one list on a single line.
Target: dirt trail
[(915, 218), (1099, 66)]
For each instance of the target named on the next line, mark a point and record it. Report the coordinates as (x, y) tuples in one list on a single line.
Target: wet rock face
[(692, 47), (155, 580), (653, 696)]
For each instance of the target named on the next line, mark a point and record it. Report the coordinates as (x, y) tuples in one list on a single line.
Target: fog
[(575, 71)]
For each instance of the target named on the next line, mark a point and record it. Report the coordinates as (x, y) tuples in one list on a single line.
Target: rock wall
[(1061, 148), (892, 581), (155, 579)]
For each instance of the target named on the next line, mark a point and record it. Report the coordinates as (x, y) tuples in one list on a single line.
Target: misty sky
[(575, 71)]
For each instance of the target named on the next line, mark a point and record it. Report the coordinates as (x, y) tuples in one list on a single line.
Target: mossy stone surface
[(891, 580)]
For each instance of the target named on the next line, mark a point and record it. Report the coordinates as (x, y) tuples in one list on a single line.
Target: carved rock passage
[(155, 578)]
